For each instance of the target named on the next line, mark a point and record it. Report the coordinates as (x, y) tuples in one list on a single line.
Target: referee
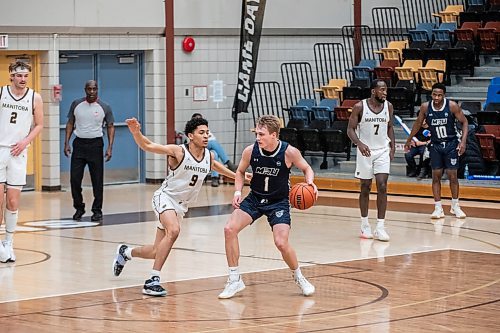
[(86, 118)]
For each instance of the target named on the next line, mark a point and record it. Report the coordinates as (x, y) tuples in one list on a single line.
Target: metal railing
[(298, 82), (331, 62), (267, 99)]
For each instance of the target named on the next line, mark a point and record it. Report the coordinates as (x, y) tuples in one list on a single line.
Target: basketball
[(302, 196)]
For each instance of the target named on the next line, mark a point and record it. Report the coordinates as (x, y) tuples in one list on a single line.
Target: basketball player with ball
[(371, 130), (271, 161)]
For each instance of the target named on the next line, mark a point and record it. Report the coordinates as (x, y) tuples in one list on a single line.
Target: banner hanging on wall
[(252, 17)]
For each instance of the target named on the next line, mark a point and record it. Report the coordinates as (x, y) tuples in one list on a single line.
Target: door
[(120, 86)]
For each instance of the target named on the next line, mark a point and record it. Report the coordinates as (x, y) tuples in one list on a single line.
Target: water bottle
[(466, 171)]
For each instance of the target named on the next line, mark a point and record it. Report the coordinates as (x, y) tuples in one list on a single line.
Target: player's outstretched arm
[(147, 145), (294, 156), (223, 170)]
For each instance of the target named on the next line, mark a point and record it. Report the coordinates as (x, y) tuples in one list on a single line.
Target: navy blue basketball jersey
[(441, 123), (271, 176)]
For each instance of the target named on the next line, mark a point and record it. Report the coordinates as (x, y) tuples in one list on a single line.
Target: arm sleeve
[(71, 113), (108, 114)]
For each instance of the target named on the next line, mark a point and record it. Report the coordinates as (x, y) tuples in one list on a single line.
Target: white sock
[(454, 202), (380, 223), (10, 224), (234, 273), (155, 273), (364, 221), (297, 274), (438, 204), (128, 253)]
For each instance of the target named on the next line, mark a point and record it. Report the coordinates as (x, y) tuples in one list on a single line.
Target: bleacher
[(453, 42)]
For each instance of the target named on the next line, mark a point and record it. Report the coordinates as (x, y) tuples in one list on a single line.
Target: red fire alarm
[(188, 44)]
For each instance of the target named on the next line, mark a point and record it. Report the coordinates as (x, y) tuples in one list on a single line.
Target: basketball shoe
[(9, 251), (152, 287), (438, 213), (366, 231), (381, 234), (457, 211), (120, 259), (4, 255), (305, 286), (231, 288)]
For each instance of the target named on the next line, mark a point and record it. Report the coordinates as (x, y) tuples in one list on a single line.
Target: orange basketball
[(302, 196)]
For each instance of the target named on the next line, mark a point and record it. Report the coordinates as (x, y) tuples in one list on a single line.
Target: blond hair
[(272, 123)]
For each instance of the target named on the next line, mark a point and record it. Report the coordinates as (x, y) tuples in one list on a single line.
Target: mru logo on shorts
[(453, 161), (279, 213)]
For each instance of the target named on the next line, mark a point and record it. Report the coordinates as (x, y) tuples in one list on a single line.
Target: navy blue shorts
[(277, 212), (444, 155)]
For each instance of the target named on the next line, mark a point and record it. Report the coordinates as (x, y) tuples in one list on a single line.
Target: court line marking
[(303, 264), (355, 313)]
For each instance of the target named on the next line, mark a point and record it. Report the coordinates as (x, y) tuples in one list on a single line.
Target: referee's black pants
[(87, 152)]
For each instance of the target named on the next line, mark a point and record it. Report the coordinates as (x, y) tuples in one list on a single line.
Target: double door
[(120, 82)]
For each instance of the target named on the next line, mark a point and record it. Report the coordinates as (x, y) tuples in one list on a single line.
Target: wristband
[(236, 193)]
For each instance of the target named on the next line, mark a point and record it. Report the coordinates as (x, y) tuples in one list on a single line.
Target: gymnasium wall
[(147, 16), (291, 28)]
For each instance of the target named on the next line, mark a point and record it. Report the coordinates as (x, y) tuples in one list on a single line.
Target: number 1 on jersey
[(266, 184)]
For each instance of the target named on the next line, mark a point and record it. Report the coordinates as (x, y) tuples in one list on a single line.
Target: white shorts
[(13, 168), (162, 201), (378, 162)]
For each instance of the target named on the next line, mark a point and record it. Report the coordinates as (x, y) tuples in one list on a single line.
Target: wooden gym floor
[(433, 276)]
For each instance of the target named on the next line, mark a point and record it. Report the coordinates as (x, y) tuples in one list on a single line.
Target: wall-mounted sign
[(218, 91), (200, 93)]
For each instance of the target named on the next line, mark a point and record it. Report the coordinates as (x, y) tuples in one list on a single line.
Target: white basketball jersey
[(184, 183), (372, 129), (16, 116)]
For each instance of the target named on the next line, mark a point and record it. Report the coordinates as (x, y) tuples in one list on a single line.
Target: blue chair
[(324, 111), (443, 33), (301, 111), (306, 102), (493, 95), (422, 33), (362, 73)]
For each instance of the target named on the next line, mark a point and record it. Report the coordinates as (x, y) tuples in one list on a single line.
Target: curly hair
[(23, 65), (192, 124), (439, 85)]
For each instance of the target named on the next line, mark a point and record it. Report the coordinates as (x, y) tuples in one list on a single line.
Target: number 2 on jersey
[(13, 117)]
